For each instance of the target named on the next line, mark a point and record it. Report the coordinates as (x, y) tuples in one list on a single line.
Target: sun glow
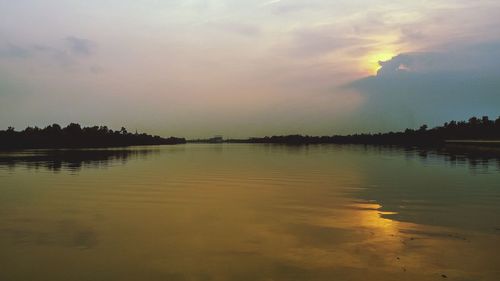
[(372, 61)]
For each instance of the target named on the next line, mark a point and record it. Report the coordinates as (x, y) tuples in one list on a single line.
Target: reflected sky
[(253, 212)]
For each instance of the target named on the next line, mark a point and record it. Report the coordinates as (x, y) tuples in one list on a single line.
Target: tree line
[(473, 129), (74, 135)]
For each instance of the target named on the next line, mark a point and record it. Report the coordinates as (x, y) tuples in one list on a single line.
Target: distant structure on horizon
[(216, 139)]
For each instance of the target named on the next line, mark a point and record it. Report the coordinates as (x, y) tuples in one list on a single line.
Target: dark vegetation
[(74, 136), (474, 129)]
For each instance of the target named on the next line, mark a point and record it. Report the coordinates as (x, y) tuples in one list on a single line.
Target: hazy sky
[(248, 68)]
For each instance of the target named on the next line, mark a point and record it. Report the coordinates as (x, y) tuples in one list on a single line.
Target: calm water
[(248, 212)]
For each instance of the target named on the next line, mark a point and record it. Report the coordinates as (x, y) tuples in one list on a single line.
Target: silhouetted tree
[(474, 129), (73, 135)]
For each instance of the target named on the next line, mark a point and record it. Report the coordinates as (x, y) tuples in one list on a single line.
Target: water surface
[(248, 212)]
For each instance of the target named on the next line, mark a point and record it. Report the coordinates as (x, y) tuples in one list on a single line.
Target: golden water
[(248, 212)]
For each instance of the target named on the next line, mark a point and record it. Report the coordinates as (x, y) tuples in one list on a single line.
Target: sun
[(372, 64)]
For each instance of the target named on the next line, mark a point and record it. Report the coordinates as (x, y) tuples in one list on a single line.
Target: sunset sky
[(244, 68)]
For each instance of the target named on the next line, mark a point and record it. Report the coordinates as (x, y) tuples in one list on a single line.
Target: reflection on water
[(69, 159), (476, 158), (249, 212)]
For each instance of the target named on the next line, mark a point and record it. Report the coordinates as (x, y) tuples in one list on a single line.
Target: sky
[(243, 68)]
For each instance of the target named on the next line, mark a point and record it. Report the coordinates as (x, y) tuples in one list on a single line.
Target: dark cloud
[(411, 62), (472, 59), (434, 87)]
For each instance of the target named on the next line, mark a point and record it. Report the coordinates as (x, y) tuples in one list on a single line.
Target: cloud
[(69, 52), (474, 59), (411, 62), (269, 3), (414, 88), (312, 43), (14, 51), (237, 28), (291, 8), (79, 46)]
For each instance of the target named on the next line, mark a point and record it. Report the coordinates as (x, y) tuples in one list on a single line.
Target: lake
[(248, 212)]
